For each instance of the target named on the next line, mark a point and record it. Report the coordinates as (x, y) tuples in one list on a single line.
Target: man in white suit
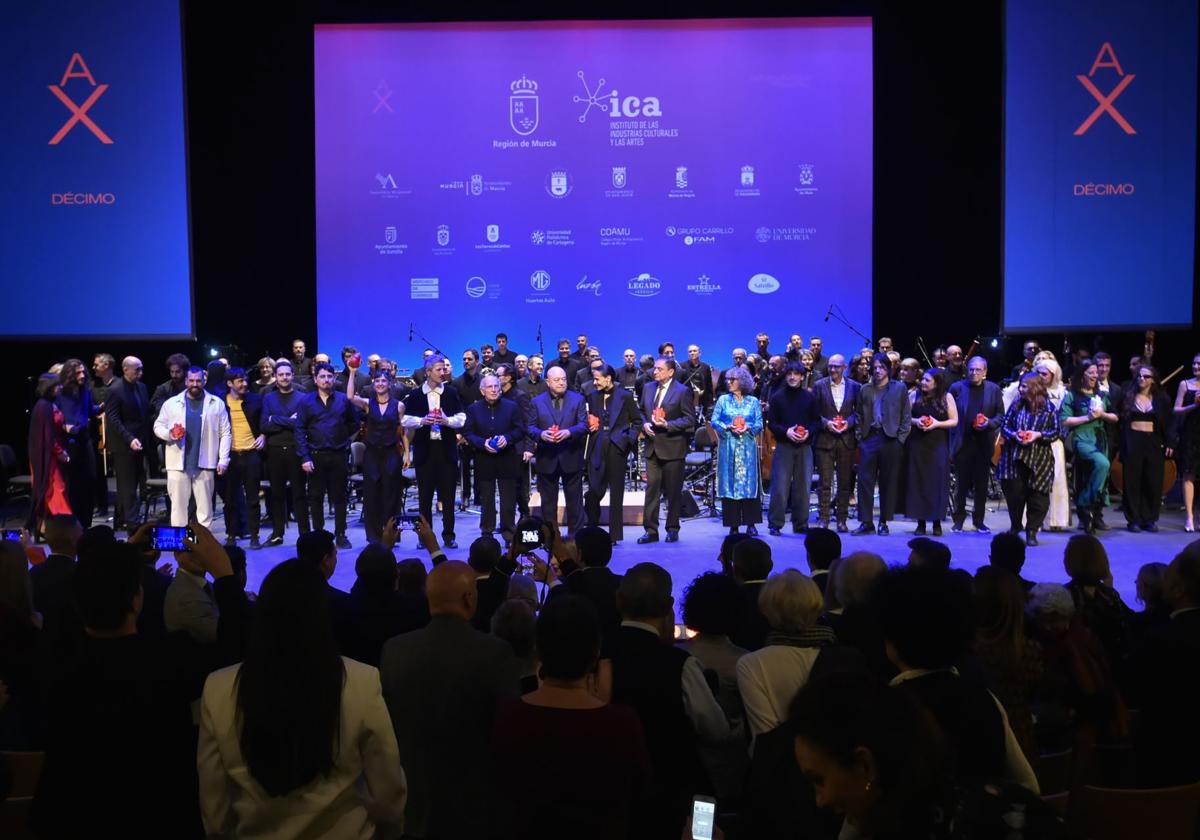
[(194, 425)]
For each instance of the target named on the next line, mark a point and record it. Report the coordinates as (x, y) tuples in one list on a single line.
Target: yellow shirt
[(243, 438)]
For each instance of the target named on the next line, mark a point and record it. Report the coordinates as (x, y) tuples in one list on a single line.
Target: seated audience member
[(725, 555), (751, 566), (51, 583), (666, 688), (1011, 662), (586, 760), (377, 610), (926, 618), (483, 557), (523, 588), (20, 639), (594, 581), (927, 553), (1008, 552), (443, 684), (121, 710), (296, 741), (769, 678), (410, 577), (514, 621), (1152, 595), (822, 546), (1167, 743), (876, 757), (237, 560), (1097, 604), (856, 626), (318, 548), (712, 607), (190, 607)]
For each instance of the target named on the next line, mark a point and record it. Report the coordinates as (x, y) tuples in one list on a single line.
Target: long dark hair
[(67, 376), (936, 399), (1129, 405), (1077, 374), (1035, 392), (289, 688)]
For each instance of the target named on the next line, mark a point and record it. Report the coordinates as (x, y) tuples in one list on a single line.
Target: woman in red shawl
[(47, 453)]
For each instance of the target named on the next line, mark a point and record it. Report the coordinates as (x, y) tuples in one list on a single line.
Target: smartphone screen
[(12, 534), (165, 538), (530, 538), (704, 814)]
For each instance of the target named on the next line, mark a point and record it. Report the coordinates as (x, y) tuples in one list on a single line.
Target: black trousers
[(880, 461), (283, 467), (662, 477), (610, 476), (81, 479), (1143, 462), (438, 474), (485, 497), (100, 488), (466, 463), (837, 460), (130, 468), (381, 488), (547, 485), (243, 481), (1024, 501), (971, 464), (523, 489), (329, 475)]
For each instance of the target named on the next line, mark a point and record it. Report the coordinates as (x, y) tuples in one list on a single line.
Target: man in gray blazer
[(884, 420), (442, 685)]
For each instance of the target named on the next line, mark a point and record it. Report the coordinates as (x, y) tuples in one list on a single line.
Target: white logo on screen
[(537, 237), (763, 234), (476, 185), (493, 233), (424, 288), (540, 280), (747, 176), (806, 174), (612, 103), (644, 286), (681, 177), (386, 182), (523, 106), (476, 287), (389, 234), (618, 177), (558, 185), (443, 235), (763, 284)]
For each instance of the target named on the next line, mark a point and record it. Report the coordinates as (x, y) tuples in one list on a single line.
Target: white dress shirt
[(434, 397), (838, 390)]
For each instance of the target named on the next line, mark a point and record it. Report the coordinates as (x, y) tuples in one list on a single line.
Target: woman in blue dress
[(737, 418)]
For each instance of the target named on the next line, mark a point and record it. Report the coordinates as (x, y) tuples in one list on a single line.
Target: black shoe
[(647, 537), (982, 529), (449, 544), (230, 542), (919, 531), (1098, 522), (750, 530), (882, 530), (1133, 526), (341, 541), (1085, 521), (1150, 527), (862, 529), (1031, 538), (956, 528), (842, 528), (255, 545), (274, 540), (775, 532), (937, 529), (673, 536)]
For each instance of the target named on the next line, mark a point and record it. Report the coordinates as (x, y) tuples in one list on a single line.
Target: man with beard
[(532, 384), (435, 412), (279, 414), (194, 428), (325, 422), (244, 483), (793, 422), (630, 376), (884, 421)]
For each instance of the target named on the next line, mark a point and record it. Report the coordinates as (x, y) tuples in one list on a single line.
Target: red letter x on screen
[(1106, 104), (79, 114)]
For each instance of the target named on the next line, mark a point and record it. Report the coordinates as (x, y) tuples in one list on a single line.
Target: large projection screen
[(691, 181)]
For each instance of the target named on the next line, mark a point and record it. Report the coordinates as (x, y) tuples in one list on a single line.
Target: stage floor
[(696, 551)]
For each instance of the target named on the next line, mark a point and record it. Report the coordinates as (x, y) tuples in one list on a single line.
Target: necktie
[(558, 403), (658, 399)]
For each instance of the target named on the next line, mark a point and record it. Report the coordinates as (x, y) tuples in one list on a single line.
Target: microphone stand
[(835, 312), (426, 341), (541, 346)]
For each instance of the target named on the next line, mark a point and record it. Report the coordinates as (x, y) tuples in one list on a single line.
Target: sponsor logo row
[(541, 286), (497, 240)]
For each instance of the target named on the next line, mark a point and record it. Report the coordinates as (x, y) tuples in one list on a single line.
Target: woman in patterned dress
[(1026, 468), (737, 418)]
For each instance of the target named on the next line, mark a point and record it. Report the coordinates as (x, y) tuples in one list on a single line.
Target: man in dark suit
[(884, 421), (820, 362), (837, 398), (594, 581), (612, 419), (792, 419), (752, 566), (558, 422), (697, 376), (491, 581), (127, 411), (318, 548), (442, 685), (467, 384), (495, 429), (980, 407), (435, 411), (510, 391), (668, 420)]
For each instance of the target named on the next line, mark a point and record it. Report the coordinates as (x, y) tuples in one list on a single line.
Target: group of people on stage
[(871, 420)]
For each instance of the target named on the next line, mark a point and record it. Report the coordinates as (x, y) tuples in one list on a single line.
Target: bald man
[(442, 685), (127, 411)]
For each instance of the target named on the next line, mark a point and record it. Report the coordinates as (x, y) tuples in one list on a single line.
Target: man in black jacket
[(793, 420), (127, 411), (243, 479), (435, 412), (980, 405), (509, 391), (612, 423), (669, 418), (495, 429), (837, 401), (280, 410), (884, 420), (325, 422), (697, 375)]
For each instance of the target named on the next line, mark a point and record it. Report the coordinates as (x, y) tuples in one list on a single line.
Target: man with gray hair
[(127, 413), (980, 405), (836, 398)]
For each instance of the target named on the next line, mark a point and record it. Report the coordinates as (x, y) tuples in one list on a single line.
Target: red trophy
[(354, 362), (177, 431), (593, 423), (660, 413), (839, 423), (980, 421), (801, 432), (739, 423), (554, 430)]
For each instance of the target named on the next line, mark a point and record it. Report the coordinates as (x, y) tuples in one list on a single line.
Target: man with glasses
[(129, 433), (980, 407), (884, 421), (494, 428), (837, 398), (467, 386), (668, 420), (558, 422)]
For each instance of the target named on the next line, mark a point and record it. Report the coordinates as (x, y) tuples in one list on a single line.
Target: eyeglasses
[(1144, 376)]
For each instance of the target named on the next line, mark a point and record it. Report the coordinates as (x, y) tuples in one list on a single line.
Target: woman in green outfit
[(1083, 414)]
